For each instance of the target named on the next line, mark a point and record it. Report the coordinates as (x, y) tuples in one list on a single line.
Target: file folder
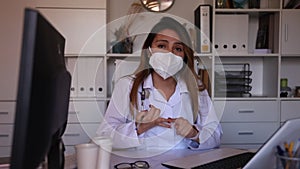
[(203, 22)]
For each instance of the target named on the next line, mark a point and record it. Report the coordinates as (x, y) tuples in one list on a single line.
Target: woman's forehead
[(167, 34)]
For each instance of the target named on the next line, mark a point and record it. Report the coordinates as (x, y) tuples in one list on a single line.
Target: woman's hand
[(146, 120), (185, 128), (148, 116)]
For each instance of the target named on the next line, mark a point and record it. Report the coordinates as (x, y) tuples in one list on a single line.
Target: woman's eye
[(161, 46), (178, 49)]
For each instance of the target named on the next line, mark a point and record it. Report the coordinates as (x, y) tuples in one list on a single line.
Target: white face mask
[(166, 64)]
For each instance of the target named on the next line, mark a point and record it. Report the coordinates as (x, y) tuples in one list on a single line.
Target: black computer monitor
[(43, 96)]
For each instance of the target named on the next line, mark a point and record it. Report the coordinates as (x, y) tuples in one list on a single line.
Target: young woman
[(163, 104)]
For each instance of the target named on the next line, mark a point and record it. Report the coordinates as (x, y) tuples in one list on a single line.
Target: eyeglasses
[(136, 164)]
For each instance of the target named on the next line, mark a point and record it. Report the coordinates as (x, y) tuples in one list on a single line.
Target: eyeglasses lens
[(141, 164), (135, 165), (124, 166)]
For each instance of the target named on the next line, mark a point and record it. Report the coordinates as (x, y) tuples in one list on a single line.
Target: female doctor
[(162, 105)]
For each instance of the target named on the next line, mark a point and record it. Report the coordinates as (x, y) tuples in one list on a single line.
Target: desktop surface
[(180, 156), (176, 158)]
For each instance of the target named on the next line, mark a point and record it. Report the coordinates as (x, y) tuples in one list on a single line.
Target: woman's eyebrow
[(162, 40), (166, 41), (179, 43)]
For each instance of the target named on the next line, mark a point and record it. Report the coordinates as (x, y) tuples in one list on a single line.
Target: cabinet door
[(79, 133), (6, 134), (84, 29), (86, 111), (7, 112), (248, 111), (290, 32), (247, 133), (289, 110), (5, 151)]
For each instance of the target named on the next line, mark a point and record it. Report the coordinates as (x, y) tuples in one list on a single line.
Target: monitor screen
[(43, 96)]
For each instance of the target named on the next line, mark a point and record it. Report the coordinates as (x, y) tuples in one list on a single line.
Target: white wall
[(11, 18), (181, 8)]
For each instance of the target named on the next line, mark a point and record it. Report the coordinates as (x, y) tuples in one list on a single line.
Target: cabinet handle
[(246, 111), (74, 112), (3, 113), (72, 134), (245, 133), (4, 135), (286, 32)]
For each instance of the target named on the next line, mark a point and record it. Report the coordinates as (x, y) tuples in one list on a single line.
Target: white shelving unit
[(79, 22), (246, 121), (84, 26), (249, 121)]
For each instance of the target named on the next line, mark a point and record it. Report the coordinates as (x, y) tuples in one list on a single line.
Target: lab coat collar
[(148, 84), (181, 88)]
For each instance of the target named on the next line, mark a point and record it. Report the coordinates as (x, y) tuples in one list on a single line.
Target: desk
[(155, 158), (146, 155)]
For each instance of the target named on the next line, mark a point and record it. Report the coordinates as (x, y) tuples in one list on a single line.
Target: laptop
[(206, 159), (263, 158)]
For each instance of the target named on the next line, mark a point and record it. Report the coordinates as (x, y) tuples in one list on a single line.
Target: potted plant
[(124, 42)]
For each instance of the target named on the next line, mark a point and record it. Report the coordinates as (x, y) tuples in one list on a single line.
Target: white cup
[(86, 155), (105, 147)]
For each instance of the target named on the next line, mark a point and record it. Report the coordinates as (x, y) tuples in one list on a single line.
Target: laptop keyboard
[(232, 162)]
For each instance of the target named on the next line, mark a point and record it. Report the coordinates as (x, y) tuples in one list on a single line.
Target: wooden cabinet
[(289, 109), (247, 133), (236, 33), (83, 121), (247, 122), (248, 111), (290, 32), (245, 118), (7, 117)]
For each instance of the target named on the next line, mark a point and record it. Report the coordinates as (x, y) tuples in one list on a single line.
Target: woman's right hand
[(148, 119)]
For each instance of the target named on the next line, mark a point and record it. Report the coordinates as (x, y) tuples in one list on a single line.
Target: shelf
[(229, 10), (290, 98), (89, 99), (261, 98), (285, 9), (84, 55), (124, 55), (249, 55), (290, 55), (203, 54)]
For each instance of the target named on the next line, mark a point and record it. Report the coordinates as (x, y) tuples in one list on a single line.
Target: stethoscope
[(143, 97)]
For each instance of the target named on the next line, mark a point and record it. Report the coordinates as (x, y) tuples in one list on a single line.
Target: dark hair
[(169, 23), (144, 69)]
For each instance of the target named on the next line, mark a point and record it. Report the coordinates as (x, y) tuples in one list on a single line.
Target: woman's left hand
[(185, 128)]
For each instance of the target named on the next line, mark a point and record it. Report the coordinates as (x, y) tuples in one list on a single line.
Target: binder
[(203, 23)]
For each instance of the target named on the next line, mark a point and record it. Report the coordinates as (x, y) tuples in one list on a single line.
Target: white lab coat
[(118, 123)]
